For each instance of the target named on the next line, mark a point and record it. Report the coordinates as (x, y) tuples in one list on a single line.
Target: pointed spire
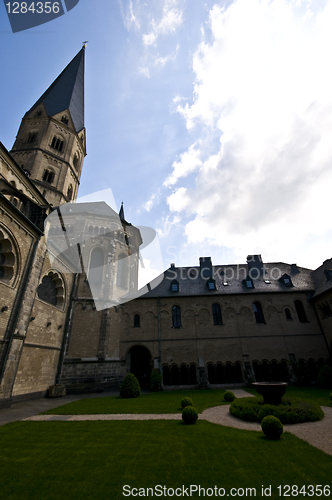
[(121, 213), (67, 92)]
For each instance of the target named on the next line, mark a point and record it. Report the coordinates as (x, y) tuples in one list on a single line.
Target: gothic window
[(216, 312), (57, 143), (136, 321), (176, 317), (64, 119), (300, 311), (51, 289), (258, 311), (32, 137), (122, 271), (70, 192), (96, 266), (288, 313), (7, 259), (48, 176)]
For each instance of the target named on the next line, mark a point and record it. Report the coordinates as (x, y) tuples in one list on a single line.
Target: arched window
[(32, 137), (76, 161), (96, 267), (70, 192), (184, 375), (216, 312), (57, 143), (136, 321), (192, 374), (288, 313), (51, 289), (48, 176), (122, 271), (176, 317), (166, 375), (300, 311), (258, 311), (64, 119), (7, 259), (211, 373)]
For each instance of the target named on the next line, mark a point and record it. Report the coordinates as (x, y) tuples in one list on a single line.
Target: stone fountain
[(272, 392)]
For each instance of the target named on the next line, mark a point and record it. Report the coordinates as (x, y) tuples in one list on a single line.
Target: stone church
[(70, 313)]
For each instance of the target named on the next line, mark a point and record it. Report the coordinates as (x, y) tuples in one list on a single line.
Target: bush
[(130, 387), (229, 396), (291, 411), (325, 377), (272, 427), (189, 415), (186, 402), (155, 380), (331, 396)]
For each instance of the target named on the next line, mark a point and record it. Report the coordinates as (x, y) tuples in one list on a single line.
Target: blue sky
[(210, 120)]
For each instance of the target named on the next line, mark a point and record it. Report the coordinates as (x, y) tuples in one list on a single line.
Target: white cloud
[(166, 225), (170, 20), (264, 83), (145, 72), (129, 18), (161, 61)]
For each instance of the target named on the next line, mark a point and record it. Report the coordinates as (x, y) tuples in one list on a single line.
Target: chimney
[(255, 266), (205, 265)]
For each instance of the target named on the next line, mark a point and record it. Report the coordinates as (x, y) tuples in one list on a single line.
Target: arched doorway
[(140, 364)]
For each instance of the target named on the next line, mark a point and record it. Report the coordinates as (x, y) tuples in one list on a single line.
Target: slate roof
[(67, 92), (191, 283), (323, 278)]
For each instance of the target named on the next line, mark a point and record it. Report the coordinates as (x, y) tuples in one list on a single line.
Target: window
[(7, 259), (136, 321), (288, 313), (48, 176), (211, 284), (175, 286), (122, 271), (328, 274), (51, 289), (32, 137), (326, 310), (70, 192), (176, 317), (64, 119), (286, 280), (258, 311), (57, 143), (300, 311), (248, 283), (76, 161), (216, 312)]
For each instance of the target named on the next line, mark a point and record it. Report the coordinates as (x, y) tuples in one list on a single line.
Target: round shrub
[(325, 377), (186, 402), (229, 396), (189, 415), (155, 380), (331, 396), (272, 427), (130, 387), (291, 411)]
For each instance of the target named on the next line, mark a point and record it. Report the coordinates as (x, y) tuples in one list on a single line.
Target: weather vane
[(84, 44)]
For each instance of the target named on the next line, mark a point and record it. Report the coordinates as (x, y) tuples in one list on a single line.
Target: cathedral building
[(70, 313)]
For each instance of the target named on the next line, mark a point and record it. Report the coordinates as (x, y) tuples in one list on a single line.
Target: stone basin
[(272, 392)]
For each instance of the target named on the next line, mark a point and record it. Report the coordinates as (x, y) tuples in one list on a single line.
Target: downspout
[(320, 326), (159, 334)]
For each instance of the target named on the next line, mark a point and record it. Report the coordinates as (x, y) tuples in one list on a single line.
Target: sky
[(210, 120)]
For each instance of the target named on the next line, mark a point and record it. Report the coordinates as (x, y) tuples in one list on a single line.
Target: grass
[(155, 402), (94, 460), (310, 394)]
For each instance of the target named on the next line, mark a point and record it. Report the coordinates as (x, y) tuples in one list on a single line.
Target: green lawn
[(155, 402), (311, 394), (169, 401), (94, 460)]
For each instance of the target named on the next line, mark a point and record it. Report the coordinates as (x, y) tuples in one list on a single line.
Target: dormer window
[(328, 274), (248, 283), (268, 282), (57, 143), (286, 280), (175, 286), (326, 310), (64, 119), (211, 284)]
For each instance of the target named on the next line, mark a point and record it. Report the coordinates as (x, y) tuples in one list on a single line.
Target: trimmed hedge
[(272, 427), (229, 396), (186, 402), (189, 415), (291, 411), (130, 387)]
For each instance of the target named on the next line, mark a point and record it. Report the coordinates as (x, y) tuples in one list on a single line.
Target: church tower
[(51, 144)]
